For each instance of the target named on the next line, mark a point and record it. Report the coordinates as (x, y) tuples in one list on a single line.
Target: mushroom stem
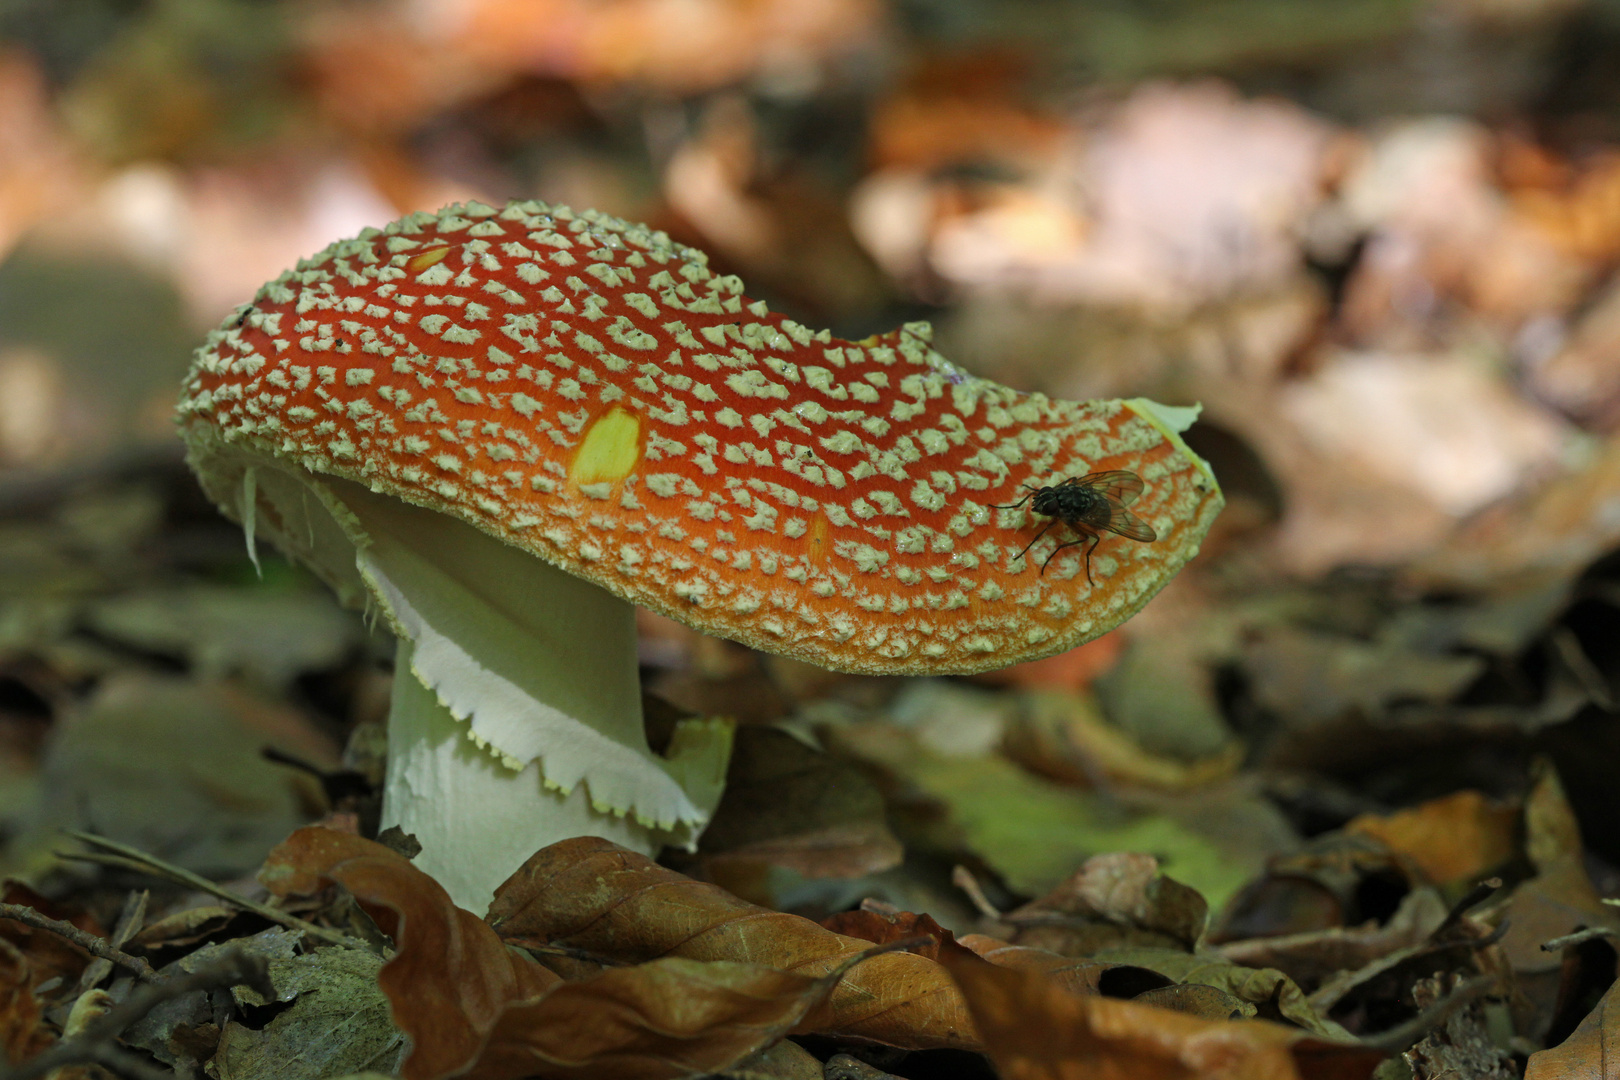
[(477, 818), (517, 715), (516, 720)]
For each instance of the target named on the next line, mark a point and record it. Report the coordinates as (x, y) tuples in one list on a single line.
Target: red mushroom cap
[(585, 390)]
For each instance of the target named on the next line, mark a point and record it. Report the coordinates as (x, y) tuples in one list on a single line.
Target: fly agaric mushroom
[(503, 428)]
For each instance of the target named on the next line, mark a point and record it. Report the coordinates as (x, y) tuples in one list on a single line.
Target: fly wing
[(1120, 486), (1127, 524)]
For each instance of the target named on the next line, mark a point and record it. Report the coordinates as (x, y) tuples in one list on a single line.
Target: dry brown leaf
[(1581, 376), (186, 927), (1589, 1053), (1196, 999), (1311, 957), (1451, 838), (48, 955), (1584, 218), (963, 106), (1075, 976), (37, 172), (1035, 1031), (1561, 897), (474, 1007), (587, 893), (451, 978), (1078, 976), (480, 1009), (1114, 895), (882, 927), (1544, 534), (21, 1032), (668, 1018), (371, 72)]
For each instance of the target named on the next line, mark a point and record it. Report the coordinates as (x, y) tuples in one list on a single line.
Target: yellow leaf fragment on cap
[(609, 450), (426, 259)]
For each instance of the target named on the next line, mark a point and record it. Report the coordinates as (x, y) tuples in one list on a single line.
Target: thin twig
[(963, 879), (97, 1042), (1558, 943), (1481, 892), (129, 858), (90, 943)]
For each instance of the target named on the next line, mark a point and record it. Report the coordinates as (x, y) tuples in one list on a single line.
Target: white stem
[(477, 819), (517, 703)]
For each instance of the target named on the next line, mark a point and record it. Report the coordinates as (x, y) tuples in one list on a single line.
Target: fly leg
[(1032, 543), (1060, 547), (1095, 539), (1016, 505)]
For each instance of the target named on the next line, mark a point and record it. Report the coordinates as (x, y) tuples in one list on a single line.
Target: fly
[(1089, 505)]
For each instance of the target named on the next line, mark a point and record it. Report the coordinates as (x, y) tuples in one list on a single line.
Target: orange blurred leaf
[(677, 47), (1033, 1030), (1070, 670), (1457, 836), (587, 893)]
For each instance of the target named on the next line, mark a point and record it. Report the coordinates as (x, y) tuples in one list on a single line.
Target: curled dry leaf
[(590, 894), (1035, 1031), (668, 1018), (452, 977), (474, 1007)]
